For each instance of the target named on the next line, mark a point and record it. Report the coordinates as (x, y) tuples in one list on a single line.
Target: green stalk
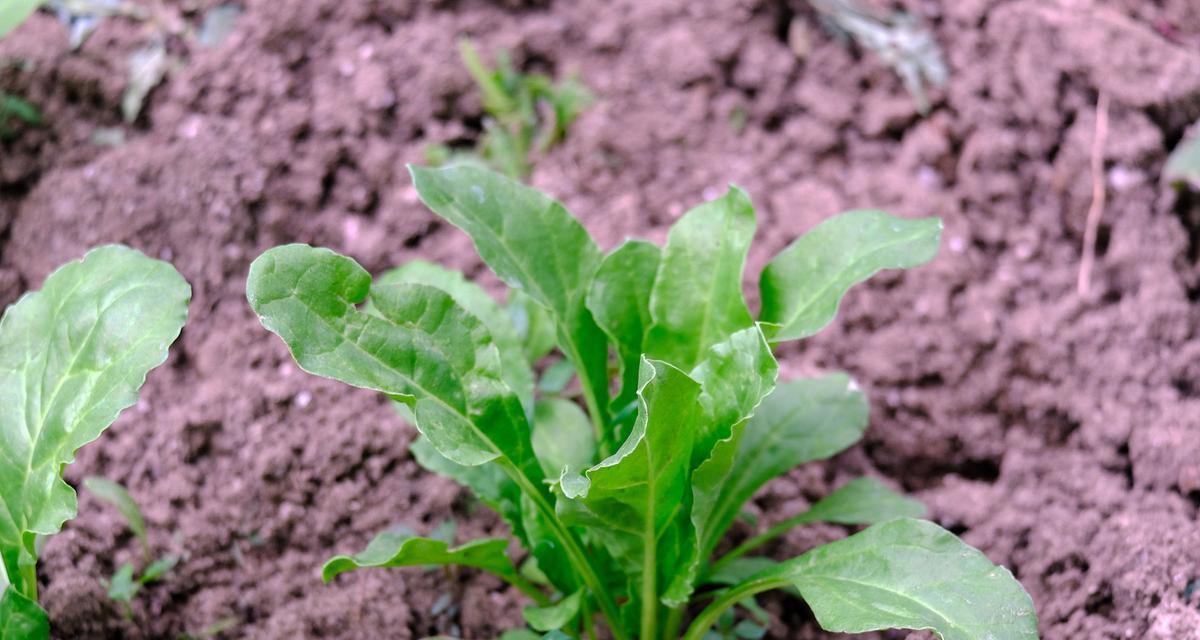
[(29, 578), (649, 580), (579, 560), (674, 622), (708, 617), (528, 588)]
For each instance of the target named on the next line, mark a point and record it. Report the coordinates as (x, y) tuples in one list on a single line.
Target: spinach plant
[(623, 498), (126, 583), (527, 114), (72, 357)]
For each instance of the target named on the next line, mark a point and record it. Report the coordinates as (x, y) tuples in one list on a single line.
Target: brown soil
[(1058, 433)]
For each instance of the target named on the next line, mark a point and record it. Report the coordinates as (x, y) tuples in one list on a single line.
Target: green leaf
[(556, 377), (1183, 166), (555, 616), (21, 618), (803, 285), (906, 574), (158, 569), (697, 298), (533, 324), (801, 421), (636, 500), (863, 501), (514, 371), (12, 14), (533, 244), (620, 302), (562, 437), (122, 587), (392, 549), (417, 345), (116, 495), (735, 376), (72, 357)]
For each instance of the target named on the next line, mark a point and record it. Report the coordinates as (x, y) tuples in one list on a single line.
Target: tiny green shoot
[(125, 585), (623, 493), (72, 357), (527, 114)]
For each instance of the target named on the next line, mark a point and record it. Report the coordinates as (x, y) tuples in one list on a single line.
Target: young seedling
[(527, 114), (72, 357), (125, 584), (622, 502)]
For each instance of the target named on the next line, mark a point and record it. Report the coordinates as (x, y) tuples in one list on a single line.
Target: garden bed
[(1057, 432)]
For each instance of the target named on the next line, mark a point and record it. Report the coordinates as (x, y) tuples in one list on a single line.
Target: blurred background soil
[(1059, 433)]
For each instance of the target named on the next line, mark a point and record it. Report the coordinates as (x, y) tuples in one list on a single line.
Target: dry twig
[(1096, 210)]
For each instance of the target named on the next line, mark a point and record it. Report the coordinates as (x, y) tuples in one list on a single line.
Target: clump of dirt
[(1054, 431)]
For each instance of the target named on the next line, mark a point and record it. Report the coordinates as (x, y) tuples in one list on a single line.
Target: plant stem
[(759, 540), (674, 622), (708, 617), (579, 560), (588, 625), (29, 578), (649, 586), (528, 588)]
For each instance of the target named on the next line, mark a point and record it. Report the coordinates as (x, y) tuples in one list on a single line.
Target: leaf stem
[(708, 617), (674, 622), (579, 560), (29, 578), (649, 584), (528, 588)]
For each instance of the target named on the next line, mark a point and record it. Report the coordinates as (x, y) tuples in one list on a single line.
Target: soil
[(1057, 432)]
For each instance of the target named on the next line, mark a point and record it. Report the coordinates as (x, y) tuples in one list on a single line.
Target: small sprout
[(623, 494), (124, 586), (1183, 165), (527, 114)]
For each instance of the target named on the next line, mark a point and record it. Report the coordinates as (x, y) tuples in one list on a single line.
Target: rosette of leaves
[(622, 485), (72, 357)]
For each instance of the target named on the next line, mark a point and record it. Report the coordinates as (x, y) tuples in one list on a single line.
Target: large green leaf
[(907, 574), (14, 12), (620, 301), (562, 436), (697, 297), (636, 501), (534, 245), (801, 421), (803, 285), (515, 370), (72, 357), (416, 345), (21, 618), (396, 549)]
